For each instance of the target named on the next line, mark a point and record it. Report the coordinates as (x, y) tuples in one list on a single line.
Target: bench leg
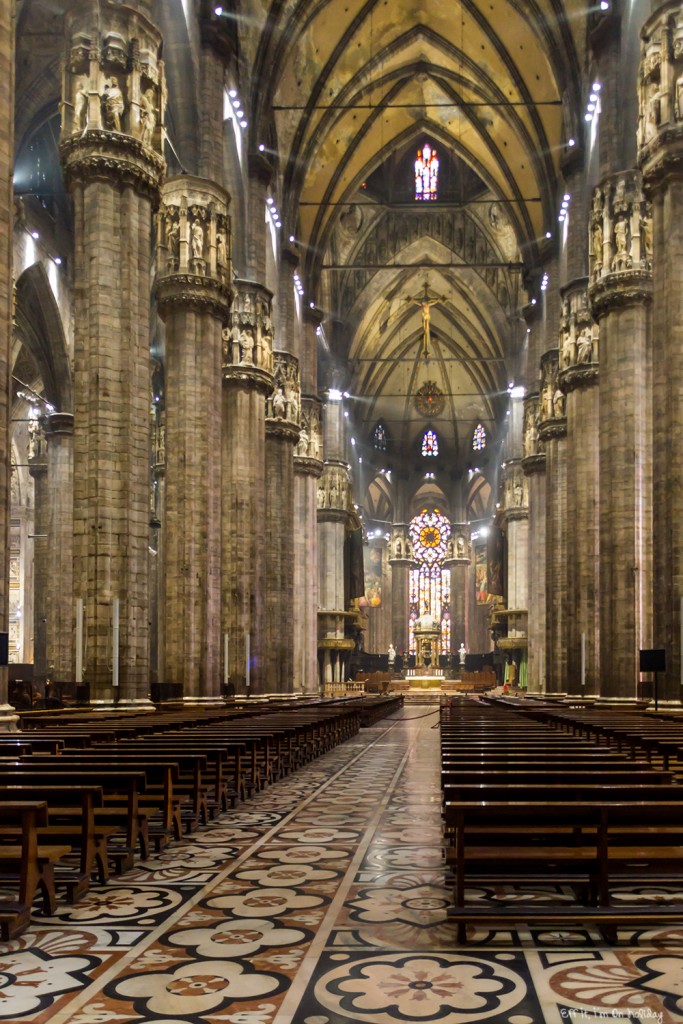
[(46, 884)]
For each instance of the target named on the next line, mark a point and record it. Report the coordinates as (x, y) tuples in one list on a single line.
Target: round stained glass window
[(429, 533)]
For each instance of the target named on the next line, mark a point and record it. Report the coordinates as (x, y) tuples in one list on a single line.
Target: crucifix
[(425, 302)]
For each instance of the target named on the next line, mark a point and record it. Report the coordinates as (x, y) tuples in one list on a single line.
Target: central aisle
[(322, 901)]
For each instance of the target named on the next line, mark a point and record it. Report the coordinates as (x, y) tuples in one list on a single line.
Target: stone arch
[(40, 328)]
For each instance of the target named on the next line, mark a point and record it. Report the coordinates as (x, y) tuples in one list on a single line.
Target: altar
[(427, 632)]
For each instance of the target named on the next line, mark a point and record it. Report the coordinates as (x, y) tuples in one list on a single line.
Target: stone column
[(59, 430), (247, 380), (308, 466), (620, 294), (283, 417), (7, 32), (578, 379), (401, 562), (37, 462), (515, 517), (157, 510), (193, 291), (553, 433), (459, 562), (333, 517), (113, 101), (533, 464), (660, 140)]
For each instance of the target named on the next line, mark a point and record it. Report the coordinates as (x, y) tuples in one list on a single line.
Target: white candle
[(115, 643), (248, 647), (79, 640), (226, 662), (583, 662)]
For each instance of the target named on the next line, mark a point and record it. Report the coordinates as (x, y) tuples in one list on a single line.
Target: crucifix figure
[(425, 302)]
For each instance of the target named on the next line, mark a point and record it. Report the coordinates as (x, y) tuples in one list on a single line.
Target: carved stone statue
[(620, 237), (547, 402), (292, 403), (112, 99), (81, 104), (652, 114), (173, 240), (247, 348), (597, 241), (302, 446), (148, 117), (221, 250), (646, 235), (279, 403), (197, 240), (460, 547), (584, 346), (558, 404), (518, 490), (678, 113)]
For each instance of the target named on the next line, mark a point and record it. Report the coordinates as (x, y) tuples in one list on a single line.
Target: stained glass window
[(430, 583), (430, 443), (379, 438), (426, 173), (479, 438)]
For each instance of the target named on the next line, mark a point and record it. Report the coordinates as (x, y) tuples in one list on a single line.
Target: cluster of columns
[(200, 543)]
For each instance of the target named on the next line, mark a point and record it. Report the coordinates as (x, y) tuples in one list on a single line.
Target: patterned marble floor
[(323, 901)]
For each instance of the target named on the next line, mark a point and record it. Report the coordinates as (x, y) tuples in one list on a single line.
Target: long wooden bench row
[(523, 800), (107, 790)]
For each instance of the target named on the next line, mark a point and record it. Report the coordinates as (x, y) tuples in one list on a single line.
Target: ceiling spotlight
[(278, 223), (548, 234), (58, 260), (218, 11), (591, 107), (571, 142), (604, 5), (566, 197), (292, 238), (270, 201), (533, 302), (232, 93), (588, 117), (596, 87), (243, 124), (35, 234), (593, 97)]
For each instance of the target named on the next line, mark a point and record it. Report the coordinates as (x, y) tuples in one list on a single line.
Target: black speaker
[(653, 661), (4, 648)]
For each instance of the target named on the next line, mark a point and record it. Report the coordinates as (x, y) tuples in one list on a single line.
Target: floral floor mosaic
[(323, 901)]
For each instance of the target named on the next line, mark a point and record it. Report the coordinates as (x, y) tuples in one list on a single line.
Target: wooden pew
[(71, 811), (130, 819), (611, 840), (31, 862)]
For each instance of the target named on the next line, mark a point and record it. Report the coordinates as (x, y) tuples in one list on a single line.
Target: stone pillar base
[(8, 719), (141, 704), (212, 701)]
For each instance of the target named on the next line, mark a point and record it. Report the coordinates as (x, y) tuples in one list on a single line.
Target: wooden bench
[(124, 812), (71, 811), (27, 862), (624, 839)]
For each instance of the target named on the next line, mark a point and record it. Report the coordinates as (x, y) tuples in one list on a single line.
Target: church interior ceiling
[(341, 95)]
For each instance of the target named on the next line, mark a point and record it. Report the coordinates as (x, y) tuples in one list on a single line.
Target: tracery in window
[(379, 438), (430, 443), (430, 583), (426, 173)]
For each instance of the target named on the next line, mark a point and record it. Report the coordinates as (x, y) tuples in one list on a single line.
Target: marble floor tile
[(323, 900)]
